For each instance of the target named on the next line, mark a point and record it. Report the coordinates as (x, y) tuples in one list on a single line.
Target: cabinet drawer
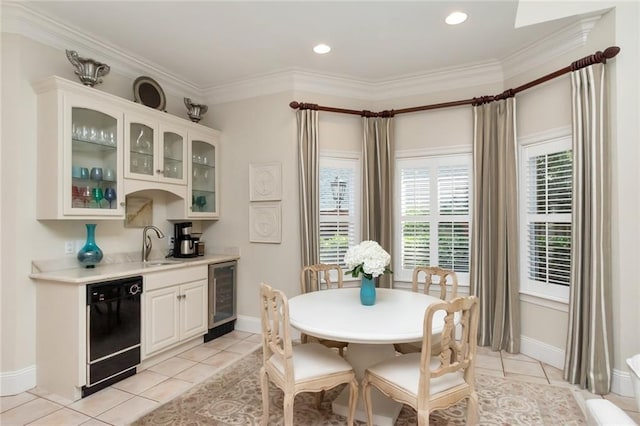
[(155, 280)]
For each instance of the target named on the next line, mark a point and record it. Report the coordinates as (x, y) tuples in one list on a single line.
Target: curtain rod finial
[(294, 104), (611, 51)]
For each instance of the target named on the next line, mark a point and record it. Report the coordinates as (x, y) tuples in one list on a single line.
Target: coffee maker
[(183, 244)]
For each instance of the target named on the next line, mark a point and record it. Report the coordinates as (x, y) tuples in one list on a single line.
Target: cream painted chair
[(446, 278), (429, 382), (309, 367), (319, 277)]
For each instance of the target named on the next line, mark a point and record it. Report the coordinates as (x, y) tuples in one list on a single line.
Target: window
[(339, 207), (545, 199), (433, 214)]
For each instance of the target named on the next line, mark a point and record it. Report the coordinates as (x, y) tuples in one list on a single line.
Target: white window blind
[(433, 215), (547, 193), (339, 207), (453, 224)]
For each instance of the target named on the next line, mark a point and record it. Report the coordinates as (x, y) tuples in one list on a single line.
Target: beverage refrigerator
[(222, 299)]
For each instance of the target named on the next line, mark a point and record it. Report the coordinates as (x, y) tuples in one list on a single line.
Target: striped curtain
[(589, 341), (494, 242), (377, 185), (309, 186)]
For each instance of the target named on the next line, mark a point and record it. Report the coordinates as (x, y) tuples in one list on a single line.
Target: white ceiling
[(210, 44)]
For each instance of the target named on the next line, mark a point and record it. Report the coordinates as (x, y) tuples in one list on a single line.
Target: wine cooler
[(222, 299)]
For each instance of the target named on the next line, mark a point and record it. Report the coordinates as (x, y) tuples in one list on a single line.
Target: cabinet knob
[(122, 203), (159, 171)]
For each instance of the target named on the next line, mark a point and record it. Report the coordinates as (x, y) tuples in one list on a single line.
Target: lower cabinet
[(173, 313)]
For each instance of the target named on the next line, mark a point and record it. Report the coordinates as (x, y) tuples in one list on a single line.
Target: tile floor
[(131, 398)]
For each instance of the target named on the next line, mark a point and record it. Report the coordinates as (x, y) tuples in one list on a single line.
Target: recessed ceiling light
[(321, 49), (456, 18)]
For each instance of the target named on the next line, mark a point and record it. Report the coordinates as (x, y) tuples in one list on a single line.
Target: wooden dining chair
[(308, 367), (319, 277), (429, 382), (425, 275)]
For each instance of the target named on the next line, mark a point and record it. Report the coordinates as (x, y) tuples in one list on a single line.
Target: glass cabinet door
[(203, 178), (141, 149), (173, 168), (94, 161)]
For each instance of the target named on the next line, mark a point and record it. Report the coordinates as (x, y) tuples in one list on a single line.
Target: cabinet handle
[(160, 171), (122, 204)]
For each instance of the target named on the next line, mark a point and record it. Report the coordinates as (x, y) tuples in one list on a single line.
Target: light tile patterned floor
[(129, 399)]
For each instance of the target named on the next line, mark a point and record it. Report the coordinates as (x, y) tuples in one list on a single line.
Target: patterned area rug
[(232, 397)]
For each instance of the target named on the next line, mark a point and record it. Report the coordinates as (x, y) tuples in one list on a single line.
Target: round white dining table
[(337, 314)]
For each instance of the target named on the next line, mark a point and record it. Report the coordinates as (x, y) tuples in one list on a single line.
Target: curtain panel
[(309, 186), (494, 272), (589, 340), (377, 185)]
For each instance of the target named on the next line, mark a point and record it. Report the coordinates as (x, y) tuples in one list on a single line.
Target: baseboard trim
[(620, 380), (253, 325), (541, 351), (14, 382), (621, 383)]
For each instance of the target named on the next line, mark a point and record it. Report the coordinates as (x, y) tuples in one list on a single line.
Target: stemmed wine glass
[(110, 195), (97, 195)]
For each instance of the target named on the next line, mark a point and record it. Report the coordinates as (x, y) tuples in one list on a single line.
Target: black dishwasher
[(113, 332)]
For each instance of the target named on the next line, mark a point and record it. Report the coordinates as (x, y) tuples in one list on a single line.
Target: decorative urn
[(195, 111), (89, 72)]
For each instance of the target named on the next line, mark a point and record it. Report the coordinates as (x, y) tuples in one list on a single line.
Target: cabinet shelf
[(81, 145)]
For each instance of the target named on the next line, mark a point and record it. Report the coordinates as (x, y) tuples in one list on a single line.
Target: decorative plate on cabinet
[(148, 92)]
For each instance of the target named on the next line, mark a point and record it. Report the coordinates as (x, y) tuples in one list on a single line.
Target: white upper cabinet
[(94, 148), (155, 151), (202, 201), (79, 171)]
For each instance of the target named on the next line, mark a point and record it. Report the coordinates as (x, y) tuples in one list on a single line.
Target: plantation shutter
[(453, 224), (549, 192), (414, 211), (339, 227)]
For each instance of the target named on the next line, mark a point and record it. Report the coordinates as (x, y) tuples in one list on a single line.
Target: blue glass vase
[(368, 292), (90, 255)]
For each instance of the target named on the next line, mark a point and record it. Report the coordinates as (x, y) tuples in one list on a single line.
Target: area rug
[(232, 397)]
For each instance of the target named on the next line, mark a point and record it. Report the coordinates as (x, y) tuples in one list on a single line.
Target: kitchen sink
[(161, 262)]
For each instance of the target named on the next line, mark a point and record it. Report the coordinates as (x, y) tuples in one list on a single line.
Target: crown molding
[(21, 19), (553, 46), (18, 18), (308, 81)]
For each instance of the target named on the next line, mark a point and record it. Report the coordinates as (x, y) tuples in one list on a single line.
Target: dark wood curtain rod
[(598, 57)]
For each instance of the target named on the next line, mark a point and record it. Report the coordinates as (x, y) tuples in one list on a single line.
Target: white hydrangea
[(372, 258)]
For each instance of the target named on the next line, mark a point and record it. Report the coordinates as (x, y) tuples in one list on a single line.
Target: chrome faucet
[(146, 240)]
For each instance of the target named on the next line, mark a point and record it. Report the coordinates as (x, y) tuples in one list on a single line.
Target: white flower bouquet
[(368, 259)]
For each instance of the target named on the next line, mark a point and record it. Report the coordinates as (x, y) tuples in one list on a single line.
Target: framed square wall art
[(265, 223), (265, 181)]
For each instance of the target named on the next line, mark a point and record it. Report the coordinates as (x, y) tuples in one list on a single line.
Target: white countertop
[(111, 271)]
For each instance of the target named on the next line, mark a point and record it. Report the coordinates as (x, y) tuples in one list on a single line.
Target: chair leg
[(353, 401), (472, 409), (288, 409), (319, 398), (264, 384), (366, 397), (423, 418)]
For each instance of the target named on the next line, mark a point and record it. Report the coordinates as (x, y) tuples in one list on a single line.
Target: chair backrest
[(276, 338), (318, 277), (457, 351), (446, 277)]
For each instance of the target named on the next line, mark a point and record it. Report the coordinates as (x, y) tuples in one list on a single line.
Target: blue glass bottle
[(367, 292), (90, 255)]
